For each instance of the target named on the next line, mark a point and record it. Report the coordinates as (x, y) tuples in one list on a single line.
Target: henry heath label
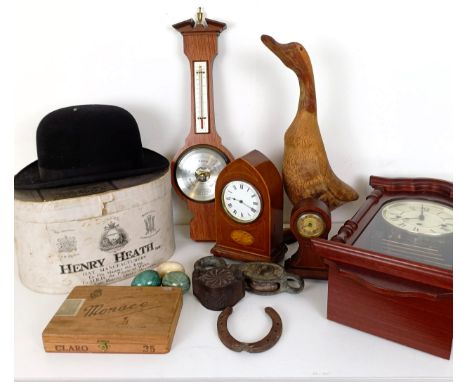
[(94, 239)]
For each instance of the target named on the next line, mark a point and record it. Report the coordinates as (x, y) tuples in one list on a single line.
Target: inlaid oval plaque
[(242, 237)]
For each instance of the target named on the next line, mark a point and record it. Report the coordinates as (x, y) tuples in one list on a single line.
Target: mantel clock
[(249, 210)]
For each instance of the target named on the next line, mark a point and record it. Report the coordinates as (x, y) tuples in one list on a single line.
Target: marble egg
[(147, 278), (169, 266), (177, 279)]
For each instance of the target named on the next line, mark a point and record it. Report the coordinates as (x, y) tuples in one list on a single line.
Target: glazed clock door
[(413, 229)]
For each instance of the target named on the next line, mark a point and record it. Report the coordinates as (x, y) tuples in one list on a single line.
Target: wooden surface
[(410, 317), (200, 44), (267, 230), (116, 320), (398, 299), (306, 170), (306, 262)]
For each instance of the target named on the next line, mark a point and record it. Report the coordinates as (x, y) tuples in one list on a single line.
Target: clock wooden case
[(249, 210), (197, 164), (310, 219), (390, 266)]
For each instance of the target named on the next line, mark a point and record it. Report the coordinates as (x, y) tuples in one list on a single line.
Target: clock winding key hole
[(202, 174)]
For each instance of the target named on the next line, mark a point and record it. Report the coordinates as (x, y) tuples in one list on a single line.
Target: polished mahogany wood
[(394, 298), (385, 189), (306, 262), (262, 239), (200, 44)]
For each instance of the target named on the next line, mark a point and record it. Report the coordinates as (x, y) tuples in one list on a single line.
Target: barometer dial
[(197, 170)]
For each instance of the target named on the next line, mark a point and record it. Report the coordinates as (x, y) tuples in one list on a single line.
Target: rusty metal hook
[(255, 347)]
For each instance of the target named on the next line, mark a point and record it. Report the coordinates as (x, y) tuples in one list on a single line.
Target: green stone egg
[(177, 279), (147, 278)]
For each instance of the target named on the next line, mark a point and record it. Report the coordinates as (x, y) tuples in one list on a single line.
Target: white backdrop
[(382, 72)]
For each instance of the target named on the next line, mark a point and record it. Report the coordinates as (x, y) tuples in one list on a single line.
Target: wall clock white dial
[(419, 217), (241, 201)]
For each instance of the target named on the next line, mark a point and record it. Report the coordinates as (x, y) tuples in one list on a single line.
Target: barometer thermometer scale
[(197, 164), (202, 122)]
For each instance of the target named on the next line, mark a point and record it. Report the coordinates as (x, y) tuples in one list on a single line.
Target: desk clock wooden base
[(390, 266), (412, 314), (276, 255)]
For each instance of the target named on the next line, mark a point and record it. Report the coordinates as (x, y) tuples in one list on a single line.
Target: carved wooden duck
[(306, 170)]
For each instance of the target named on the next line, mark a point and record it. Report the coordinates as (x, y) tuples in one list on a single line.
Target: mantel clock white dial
[(241, 201)]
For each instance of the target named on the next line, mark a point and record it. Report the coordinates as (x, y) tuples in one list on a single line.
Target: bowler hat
[(87, 143)]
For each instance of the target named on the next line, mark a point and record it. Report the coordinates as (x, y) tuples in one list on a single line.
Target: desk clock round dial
[(197, 170), (419, 217), (241, 201), (310, 225), (310, 220)]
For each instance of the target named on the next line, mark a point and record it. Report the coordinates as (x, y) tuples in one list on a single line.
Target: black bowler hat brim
[(29, 179)]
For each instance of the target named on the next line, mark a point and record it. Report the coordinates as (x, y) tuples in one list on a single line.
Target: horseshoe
[(255, 347)]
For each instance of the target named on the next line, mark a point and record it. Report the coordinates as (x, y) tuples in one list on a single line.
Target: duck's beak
[(269, 41), (285, 52)]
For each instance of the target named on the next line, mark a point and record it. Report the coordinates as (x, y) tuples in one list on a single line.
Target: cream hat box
[(93, 234)]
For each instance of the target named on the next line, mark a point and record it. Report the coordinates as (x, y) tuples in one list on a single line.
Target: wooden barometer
[(196, 166), (249, 210)]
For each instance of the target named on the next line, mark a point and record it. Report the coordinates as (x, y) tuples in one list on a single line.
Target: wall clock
[(198, 163), (310, 219), (391, 264), (249, 210)]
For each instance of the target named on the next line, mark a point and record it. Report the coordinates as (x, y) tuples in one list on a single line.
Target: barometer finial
[(200, 18)]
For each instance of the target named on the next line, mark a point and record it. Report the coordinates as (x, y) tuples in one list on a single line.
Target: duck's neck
[(307, 99)]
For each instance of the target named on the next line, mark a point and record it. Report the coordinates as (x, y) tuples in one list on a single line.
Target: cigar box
[(115, 319)]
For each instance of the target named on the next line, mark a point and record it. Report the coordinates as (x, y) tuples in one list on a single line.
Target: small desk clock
[(198, 163), (391, 264), (310, 219), (249, 210)]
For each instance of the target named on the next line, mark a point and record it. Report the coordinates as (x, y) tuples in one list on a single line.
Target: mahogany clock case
[(306, 262), (261, 239), (404, 300)]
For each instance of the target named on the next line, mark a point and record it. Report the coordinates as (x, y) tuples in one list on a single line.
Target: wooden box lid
[(115, 319)]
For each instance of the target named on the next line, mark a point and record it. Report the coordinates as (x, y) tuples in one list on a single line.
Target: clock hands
[(242, 202), (421, 215)]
